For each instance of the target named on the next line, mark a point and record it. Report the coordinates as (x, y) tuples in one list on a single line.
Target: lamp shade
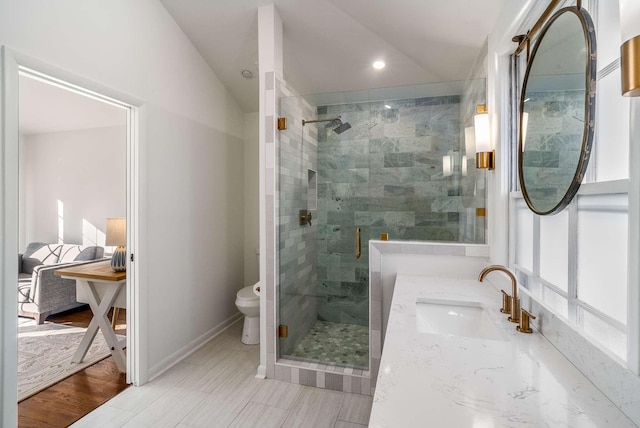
[(629, 19), (481, 124), (116, 232)]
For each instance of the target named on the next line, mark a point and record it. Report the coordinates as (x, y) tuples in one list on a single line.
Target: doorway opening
[(65, 155)]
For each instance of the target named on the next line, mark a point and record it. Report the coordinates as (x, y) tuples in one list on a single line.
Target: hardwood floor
[(70, 399)]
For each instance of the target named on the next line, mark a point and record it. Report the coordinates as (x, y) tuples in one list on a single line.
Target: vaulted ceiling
[(329, 45)]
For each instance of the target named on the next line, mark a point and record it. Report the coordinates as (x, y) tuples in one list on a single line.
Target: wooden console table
[(102, 288)]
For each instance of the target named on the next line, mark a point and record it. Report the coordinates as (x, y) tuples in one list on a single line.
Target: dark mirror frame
[(590, 107)]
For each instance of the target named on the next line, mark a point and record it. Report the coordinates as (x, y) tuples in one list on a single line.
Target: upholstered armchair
[(40, 292)]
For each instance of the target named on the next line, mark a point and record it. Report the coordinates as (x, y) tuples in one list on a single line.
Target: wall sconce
[(630, 49), (485, 157)]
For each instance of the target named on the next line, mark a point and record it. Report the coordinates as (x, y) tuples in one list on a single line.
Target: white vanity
[(451, 359)]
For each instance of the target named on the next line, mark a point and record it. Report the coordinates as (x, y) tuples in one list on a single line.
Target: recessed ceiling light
[(387, 106), (247, 74), (379, 64)]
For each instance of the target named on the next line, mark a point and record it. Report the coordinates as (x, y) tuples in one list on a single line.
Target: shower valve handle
[(305, 217)]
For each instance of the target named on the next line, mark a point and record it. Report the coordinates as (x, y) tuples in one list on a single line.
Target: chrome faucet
[(514, 300)]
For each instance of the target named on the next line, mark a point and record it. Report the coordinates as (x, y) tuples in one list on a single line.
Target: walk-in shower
[(387, 174)]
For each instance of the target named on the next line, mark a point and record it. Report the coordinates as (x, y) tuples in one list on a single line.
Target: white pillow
[(47, 254), (69, 252)]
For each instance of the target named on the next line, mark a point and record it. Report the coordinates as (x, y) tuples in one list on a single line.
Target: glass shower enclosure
[(353, 166)]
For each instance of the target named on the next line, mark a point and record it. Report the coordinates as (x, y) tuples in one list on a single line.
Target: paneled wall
[(579, 267), (576, 262)]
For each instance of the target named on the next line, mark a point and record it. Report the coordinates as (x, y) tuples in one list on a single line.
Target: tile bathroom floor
[(216, 387), (342, 344)]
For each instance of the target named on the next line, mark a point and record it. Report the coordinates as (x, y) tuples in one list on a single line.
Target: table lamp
[(117, 236)]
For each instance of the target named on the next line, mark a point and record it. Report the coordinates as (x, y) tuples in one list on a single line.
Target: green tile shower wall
[(382, 175)]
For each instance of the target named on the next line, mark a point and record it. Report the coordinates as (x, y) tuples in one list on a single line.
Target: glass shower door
[(296, 239), (323, 170)]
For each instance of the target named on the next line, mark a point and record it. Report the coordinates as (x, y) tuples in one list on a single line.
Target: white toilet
[(249, 304)]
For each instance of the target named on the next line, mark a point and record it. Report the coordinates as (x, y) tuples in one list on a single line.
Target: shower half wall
[(385, 174)]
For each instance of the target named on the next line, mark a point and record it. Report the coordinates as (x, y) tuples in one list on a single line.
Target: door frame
[(12, 63)]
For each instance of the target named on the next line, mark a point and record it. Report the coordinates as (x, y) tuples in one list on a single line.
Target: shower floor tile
[(335, 344)]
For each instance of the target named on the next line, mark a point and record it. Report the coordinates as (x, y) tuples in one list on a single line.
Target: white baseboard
[(192, 347), (262, 372)]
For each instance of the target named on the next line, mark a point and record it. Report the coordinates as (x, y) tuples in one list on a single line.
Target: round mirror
[(557, 107)]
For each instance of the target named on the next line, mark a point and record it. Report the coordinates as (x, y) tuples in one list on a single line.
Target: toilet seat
[(247, 295)]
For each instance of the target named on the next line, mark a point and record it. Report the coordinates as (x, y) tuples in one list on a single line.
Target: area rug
[(45, 352)]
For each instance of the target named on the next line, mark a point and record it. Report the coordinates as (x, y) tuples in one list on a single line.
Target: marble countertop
[(453, 381)]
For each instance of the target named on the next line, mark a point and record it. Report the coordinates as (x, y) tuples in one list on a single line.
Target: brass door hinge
[(282, 123), (283, 331)]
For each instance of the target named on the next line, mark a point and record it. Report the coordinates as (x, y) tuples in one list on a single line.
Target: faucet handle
[(524, 322), (506, 303), (305, 217)]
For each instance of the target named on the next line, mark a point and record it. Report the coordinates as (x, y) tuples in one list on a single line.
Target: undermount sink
[(455, 318)]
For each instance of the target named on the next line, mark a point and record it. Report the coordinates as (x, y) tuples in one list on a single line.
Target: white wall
[(86, 171), (270, 52), (195, 238), (22, 203), (190, 256), (251, 199)]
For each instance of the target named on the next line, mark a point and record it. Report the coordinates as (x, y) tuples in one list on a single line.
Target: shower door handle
[(358, 244)]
